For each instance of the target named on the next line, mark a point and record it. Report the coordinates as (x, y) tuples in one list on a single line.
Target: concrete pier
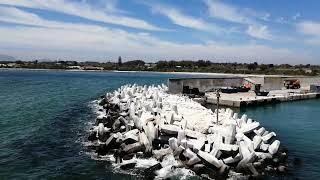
[(240, 100), (309, 89)]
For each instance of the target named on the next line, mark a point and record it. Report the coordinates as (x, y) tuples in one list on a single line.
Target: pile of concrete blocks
[(149, 122)]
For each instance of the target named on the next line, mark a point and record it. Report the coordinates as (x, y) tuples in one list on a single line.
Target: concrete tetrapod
[(146, 121)]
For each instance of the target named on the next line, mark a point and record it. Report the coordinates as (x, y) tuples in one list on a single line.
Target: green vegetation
[(171, 66)]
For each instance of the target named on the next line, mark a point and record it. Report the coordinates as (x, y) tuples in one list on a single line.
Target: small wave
[(172, 172), (94, 105), (173, 168), (94, 156), (140, 163)]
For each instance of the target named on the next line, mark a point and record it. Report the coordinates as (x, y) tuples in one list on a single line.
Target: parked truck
[(292, 84)]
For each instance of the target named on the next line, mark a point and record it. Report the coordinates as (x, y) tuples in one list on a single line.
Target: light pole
[(218, 99)]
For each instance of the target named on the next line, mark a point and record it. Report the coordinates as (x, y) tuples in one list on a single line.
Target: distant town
[(168, 66)]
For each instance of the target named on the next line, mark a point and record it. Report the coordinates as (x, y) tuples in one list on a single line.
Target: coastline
[(159, 72)]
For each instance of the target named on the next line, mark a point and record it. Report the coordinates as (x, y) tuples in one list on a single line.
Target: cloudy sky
[(286, 31)]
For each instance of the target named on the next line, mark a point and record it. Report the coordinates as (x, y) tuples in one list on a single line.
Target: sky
[(286, 31)]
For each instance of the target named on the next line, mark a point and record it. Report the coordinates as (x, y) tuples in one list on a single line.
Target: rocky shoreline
[(146, 121)]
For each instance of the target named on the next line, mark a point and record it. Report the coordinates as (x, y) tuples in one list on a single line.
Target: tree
[(263, 67), (19, 62), (252, 66), (119, 61), (134, 63)]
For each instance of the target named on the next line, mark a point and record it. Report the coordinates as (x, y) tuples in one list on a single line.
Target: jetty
[(247, 99), (273, 89), (148, 122)]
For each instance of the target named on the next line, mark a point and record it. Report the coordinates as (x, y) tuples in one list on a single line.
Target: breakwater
[(145, 122)]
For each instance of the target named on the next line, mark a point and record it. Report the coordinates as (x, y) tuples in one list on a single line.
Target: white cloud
[(313, 41), (312, 30), (260, 32), (84, 10), (296, 16), (54, 39), (14, 15), (36, 42), (287, 20), (227, 12), (178, 18), (309, 28), (266, 17), (244, 16), (111, 6), (66, 43), (17, 16), (282, 20)]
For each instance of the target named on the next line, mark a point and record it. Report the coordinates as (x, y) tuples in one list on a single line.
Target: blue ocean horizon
[(45, 116)]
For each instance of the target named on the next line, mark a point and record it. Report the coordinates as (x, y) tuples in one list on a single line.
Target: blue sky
[(286, 31)]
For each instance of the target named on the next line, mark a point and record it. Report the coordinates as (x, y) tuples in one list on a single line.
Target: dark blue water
[(297, 125), (44, 117)]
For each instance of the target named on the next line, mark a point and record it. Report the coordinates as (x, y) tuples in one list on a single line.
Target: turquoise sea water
[(44, 116)]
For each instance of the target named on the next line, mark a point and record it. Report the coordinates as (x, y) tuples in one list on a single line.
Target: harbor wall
[(272, 83), (203, 84), (307, 81), (276, 83)]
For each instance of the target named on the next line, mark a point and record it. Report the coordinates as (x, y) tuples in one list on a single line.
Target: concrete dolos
[(147, 121)]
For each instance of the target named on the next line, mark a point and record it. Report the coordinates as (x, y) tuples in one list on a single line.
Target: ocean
[(45, 116)]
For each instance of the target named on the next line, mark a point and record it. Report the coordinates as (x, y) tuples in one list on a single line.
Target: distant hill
[(6, 58)]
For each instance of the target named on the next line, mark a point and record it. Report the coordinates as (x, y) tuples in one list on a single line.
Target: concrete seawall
[(268, 82), (203, 84), (275, 83)]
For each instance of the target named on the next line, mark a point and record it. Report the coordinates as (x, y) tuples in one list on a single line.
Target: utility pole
[(218, 99)]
